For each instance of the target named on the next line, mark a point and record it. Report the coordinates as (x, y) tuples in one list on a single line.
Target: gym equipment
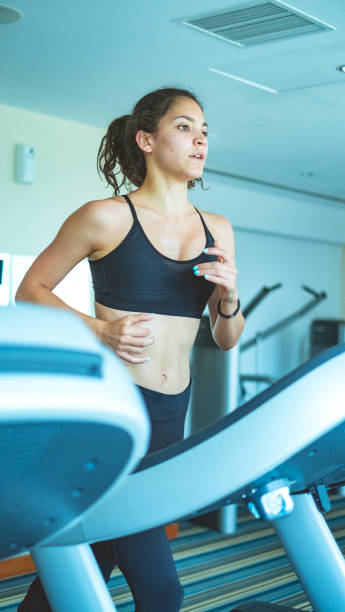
[(256, 341), (4, 279), (258, 297), (260, 606), (214, 394), (317, 297), (288, 440), (278, 452), (215, 375), (69, 433), (325, 333)]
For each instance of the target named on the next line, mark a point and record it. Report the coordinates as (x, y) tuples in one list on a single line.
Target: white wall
[(342, 284), (265, 209), (66, 177)]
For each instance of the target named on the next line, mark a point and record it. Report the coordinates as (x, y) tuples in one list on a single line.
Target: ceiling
[(91, 61)]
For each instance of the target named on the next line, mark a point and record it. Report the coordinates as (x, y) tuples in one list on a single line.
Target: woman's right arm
[(82, 235), (77, 238)]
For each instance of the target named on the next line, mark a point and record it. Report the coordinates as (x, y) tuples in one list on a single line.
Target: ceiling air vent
[(255, 23)]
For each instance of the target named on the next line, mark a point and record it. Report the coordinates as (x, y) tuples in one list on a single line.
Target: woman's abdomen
[(167, 370)]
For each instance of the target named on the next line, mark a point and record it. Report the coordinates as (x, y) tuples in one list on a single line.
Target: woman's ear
[(144, 140)]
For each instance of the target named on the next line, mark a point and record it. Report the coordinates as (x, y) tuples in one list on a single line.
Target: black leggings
[(145, 558)]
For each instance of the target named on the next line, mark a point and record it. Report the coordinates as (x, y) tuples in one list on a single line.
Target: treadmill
[(279, 453)]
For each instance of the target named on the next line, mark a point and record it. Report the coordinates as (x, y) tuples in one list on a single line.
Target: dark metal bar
[(258, 298), (285, 322)]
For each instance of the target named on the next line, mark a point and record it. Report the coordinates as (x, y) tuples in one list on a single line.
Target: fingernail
[(148, 358), (195, 267), (205, 251), (206, 276), (196, 272)]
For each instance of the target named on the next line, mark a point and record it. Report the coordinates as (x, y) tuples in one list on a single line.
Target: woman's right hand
[(127, 338)]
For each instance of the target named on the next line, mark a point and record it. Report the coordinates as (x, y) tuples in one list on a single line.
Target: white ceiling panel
[(91, 62), (287, 71)]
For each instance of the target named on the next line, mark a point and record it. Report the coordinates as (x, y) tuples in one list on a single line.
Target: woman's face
[(179, 146)]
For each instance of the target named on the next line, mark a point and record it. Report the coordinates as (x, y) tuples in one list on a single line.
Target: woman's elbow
[(228, 346), (20, 295), (25, 293)]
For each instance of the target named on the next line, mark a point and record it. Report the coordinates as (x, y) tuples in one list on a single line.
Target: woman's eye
[(183, 127)]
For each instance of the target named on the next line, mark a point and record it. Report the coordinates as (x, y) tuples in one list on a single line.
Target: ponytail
[(119, 158)]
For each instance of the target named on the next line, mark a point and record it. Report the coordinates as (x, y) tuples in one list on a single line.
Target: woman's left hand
[(222, 272)]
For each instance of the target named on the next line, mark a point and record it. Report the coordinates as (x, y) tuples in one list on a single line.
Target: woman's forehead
[(185, 107)]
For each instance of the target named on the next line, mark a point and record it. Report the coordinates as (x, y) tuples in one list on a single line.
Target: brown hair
[(119, 153)]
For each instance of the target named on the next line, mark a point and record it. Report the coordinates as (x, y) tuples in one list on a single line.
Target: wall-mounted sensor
[(25, 164)]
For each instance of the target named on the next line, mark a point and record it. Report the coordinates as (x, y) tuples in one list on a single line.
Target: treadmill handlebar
[(258, 298), (318, 297), (320, 294)]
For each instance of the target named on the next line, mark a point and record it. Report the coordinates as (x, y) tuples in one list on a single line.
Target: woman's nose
[(201, 139)]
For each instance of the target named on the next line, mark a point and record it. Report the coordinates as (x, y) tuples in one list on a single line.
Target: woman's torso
[(161, 241)]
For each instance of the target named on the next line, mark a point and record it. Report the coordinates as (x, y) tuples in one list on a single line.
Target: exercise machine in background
[(218, 385), (325, 333), (257, 341)]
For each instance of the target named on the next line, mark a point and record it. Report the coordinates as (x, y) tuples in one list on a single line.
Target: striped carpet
[(218, 572)]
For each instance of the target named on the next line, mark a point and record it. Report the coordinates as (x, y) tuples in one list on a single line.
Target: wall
[(342, 284), (66, 177), (271, 210)]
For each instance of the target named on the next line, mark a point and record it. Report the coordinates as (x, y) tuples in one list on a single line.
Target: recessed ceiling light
[(9, 15)]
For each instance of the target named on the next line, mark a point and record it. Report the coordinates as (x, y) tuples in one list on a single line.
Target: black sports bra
[(135, 276)]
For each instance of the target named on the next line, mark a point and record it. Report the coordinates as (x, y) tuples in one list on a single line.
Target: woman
[(155, 265)]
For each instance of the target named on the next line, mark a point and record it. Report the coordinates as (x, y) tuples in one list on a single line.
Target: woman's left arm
[(226, 329)]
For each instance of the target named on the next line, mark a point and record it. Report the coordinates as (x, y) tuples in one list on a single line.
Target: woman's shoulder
[(100, 219), (103, 212), (104, 206), (102, 223)]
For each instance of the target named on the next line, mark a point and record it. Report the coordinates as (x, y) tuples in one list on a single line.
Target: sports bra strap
[(131, 207), (202, 219)]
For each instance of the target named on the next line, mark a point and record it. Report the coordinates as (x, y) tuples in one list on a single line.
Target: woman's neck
[(168, 198)]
